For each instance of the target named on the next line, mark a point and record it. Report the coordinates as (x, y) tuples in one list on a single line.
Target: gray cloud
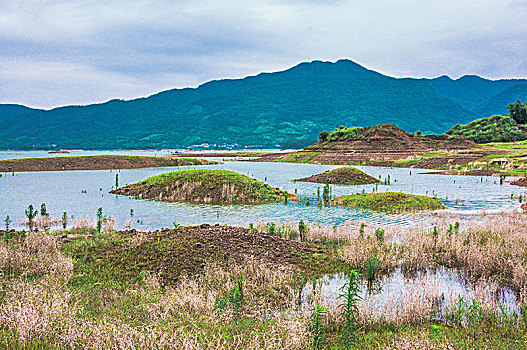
[(81, 51)]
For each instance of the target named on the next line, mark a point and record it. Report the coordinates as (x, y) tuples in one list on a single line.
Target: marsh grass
[(45, 303)]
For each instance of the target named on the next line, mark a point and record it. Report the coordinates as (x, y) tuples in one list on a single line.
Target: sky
[(62, 52)]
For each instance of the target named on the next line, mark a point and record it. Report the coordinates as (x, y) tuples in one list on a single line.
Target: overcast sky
[(57, 52)]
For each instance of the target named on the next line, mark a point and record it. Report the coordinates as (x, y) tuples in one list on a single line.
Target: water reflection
[(439, 290)]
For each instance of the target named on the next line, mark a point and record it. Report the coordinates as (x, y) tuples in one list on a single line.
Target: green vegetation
[(217, 286), (31, 214), (204, 186), (390, 202), (518, 112), (7, 222), (342, 176), (343, 133), (498, 128), (349, 310)]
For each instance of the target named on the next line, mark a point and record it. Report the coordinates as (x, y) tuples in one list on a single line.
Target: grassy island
[(342, 176), (99, 162), (204, 186), (390, 202)]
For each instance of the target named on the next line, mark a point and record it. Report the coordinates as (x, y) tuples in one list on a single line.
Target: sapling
[(236, 298), (7, 222), (31, 214), (379, 234), (372, 268), (99, 220), (302, 229), (43, 210), (361, 230), (64, 220)]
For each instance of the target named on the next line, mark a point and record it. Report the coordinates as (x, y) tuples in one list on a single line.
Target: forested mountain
[(285, 108), (12, 110)]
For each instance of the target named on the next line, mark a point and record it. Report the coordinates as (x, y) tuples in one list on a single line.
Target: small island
[(390, 202), (205, 186), (342, 176), (99, 162)]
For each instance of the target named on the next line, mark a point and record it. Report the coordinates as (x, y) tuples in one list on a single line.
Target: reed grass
[(44, 303)]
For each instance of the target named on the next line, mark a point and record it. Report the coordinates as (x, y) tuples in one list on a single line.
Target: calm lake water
[(81, 193)]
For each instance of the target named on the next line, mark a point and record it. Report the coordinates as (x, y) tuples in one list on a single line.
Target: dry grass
[(493, 247), (186, 316), (38, 256), (41, 306)]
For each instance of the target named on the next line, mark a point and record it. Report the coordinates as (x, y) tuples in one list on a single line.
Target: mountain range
[(287, 108)]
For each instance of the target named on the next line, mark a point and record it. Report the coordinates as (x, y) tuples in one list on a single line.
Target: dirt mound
[(173, 253), (520, 182), (386, 143), (95, 163), (342, 176), (204, 186), (387, 137)]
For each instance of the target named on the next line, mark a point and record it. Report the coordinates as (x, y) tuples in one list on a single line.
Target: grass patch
[(390, 202), (204, 186)]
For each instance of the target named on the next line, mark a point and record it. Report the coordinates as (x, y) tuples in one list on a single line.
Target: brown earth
[(173, 253), (520, 182), (95, 163), (388, 145), (342, 176), (226, 154)]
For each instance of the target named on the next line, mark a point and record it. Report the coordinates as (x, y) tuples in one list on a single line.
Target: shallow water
[(440, 288), (63, 192)]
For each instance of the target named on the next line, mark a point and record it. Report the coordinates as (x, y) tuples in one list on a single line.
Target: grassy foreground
[(95, 291), (389, 202), (204, 186)]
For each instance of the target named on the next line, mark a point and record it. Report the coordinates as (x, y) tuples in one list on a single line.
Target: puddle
[(434, 292)]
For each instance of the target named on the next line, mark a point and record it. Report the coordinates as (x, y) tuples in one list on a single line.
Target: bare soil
[(173, 253), (94, 163), (342, 176), (227, 154), (520, 182), (388, 145)]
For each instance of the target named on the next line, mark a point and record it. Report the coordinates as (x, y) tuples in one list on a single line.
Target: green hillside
[(474, 92), (285, 108), (499, 103), (498, 128), (12, 110)]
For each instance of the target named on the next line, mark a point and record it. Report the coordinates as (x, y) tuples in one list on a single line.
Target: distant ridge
[(287, 108)]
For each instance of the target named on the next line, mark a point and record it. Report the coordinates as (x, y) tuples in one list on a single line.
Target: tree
[(43, 210), (323, 136), (99, 219), (64, 220), (7, 222), (518, 112), (31, 214)]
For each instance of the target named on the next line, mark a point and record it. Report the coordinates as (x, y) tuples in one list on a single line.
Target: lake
[(81, 193)]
